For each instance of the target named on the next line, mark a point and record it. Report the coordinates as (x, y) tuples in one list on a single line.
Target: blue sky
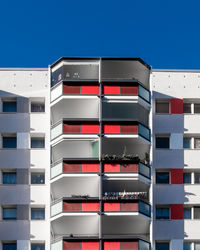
[(166, 34)]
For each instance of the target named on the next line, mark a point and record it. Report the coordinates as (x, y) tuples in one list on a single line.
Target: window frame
[(8, 172), (162, 172), (9, 101), (38, 172), (37, 208), (162, 207), (162, 137), (162, 101)]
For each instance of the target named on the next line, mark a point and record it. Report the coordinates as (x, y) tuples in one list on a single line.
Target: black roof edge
[(102, 58)]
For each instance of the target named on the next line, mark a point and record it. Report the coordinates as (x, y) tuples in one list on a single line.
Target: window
[(187, 213), (9, 178), (187, 108), (196, 212), (9, 142), (37, 246), (162, 107), (37, 142), (197, 178), (162, 245), (187, 178), (187, 246), (197, 143), (37, 213), (162, 142), (9, 213), (37, 178), (162, 213), (186, 142), (196, 246), (9, 106), (196, 108), (9, 246), (37, 107), (162, 177)]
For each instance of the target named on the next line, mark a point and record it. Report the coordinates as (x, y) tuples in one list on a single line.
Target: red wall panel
[(176, 106), (126, 245), (70, 168), (176, 211), (111, 129), (111, 90), (129, 129), (90, 206), (90, 128), (71, 128), (133, 168), (176, 176), (90, 245), (71, 245), (71, 206), (111, 206), (111, 167), (71, 89), (111, 245), (90, 90), (129, 90), (129, 207), (90, 167)]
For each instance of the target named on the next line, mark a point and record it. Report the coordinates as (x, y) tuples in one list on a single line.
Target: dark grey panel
[(22, 104), (173, 229), (14, 194), (22, 212), (15, 230), (16, 158), (22, 176), (15, 123), (125, 70)]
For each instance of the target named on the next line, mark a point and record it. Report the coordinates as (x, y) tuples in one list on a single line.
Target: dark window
[(37, 178), (9, 246), (35, 246), (9, 213), (187, 108), (196, 212), (186, 142), (9, 178), (196, 108), (37, 213), (37, 142), (162, 213), (162, 246), (162, 107), (197, 143), (187, 213), (187, 246), (162, 142), (9, 142), (9, 106), (162, 177), (187, 178), (197, 178), (37, 107)]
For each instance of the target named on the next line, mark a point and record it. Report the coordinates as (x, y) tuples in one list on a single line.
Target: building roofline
[(103, 58), (177, 70), (23, 69)]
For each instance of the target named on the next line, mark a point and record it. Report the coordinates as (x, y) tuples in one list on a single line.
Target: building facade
[(99, 153)]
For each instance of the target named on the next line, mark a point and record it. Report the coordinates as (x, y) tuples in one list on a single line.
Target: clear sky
[(164, 33)]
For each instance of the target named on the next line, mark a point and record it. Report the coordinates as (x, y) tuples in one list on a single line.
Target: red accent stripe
[(111, 90), (111, 206), (71, 89), (132, 168), (111, 129), (129, 90), (176, 106), (90, 167), (90, 245), (71, 206), (70, 168), (90, 206), (111, 245), (90, 128), (111, 167), (71, 245), (71, 128), (129, 245), (176, 211), (129, 129), (90, 90), (129, 207), (176, 176)]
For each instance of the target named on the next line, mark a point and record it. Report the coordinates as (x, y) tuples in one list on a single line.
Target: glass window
[(162, 177), (37, 107), (35, 246), (162, 142), (196, 108), (162, 107), (9, 142), (162, 213), (196, 246), (37, 178), (9, 178), (197, 143), (187, 178), (186, 142), (196, 178), (37, 142), (9, 246), (196, 212), (187, 246), (187, 108), (9, 106), (9, 213), (162, 246), (187, 213), (37, 213)]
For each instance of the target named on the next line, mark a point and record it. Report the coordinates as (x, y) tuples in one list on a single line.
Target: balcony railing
[(62, 167), (63, 127), (63, 206), (126, 244)]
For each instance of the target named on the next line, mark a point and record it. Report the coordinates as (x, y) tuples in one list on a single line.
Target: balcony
[(126, 245), (75, 128), (76, 205)]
